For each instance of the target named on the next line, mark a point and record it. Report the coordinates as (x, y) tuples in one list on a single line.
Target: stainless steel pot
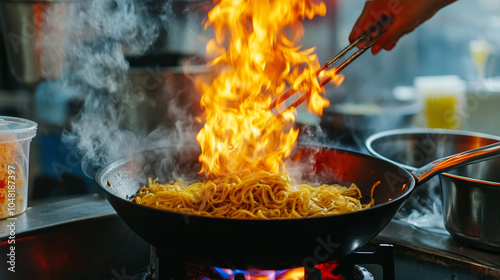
[(470, 195), (33, 38), (162, 91)]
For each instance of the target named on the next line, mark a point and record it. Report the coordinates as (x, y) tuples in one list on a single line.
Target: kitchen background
[(103, 78), (376, 86)]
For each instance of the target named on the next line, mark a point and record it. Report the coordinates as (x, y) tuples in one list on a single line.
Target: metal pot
[(469, 194), (162, 91), (33, 38)]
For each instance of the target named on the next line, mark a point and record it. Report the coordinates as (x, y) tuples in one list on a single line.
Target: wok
[(268, 244)]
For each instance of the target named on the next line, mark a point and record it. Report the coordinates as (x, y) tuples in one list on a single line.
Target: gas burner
[(359, 273), (351, 267)]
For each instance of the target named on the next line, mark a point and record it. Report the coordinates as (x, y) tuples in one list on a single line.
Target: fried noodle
[(12, 184), (261, 195)]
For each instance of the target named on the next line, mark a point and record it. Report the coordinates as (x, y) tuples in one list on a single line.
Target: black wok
[(264, 244)]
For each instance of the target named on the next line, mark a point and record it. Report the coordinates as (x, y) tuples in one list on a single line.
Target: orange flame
[(256, 54), (288, 274)]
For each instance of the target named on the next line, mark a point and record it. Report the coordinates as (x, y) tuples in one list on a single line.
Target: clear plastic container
[(15, 139), (443, 101)]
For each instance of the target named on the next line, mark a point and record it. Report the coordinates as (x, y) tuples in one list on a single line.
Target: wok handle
[(426, 172)]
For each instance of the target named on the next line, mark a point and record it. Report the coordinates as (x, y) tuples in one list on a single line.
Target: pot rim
[(473, 180), (431, 131)]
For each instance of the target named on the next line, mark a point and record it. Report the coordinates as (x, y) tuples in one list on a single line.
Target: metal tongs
[(327, 65)]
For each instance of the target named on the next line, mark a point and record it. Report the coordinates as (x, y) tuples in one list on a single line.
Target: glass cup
[(15, 138)]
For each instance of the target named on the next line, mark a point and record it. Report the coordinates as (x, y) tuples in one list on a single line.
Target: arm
[(397, 17)]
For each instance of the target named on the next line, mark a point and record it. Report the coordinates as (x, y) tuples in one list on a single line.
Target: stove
[(84, 238), (351, 267)]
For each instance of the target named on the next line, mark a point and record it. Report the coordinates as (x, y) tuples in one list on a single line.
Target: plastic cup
[(443, 98), (15, 138)]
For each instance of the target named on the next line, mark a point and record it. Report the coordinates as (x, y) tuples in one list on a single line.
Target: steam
[(424, 207), (99, 36)]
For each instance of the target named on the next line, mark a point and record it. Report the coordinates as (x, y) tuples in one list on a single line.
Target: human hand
[(396, 17)]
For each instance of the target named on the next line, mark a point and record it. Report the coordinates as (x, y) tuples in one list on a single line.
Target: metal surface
[(415, 147), (33, 33), (235, 243), (74, 238), (47, 215), (470, 194), (423, 174), (471, 207), (425, 253)]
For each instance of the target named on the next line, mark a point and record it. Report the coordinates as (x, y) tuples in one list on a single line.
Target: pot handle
[(426, 172)]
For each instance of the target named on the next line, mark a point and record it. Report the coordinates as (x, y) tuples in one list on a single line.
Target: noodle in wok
[(261, 195)]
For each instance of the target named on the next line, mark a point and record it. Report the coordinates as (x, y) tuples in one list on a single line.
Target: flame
[(257, 56), (327, 271), (288, 274)]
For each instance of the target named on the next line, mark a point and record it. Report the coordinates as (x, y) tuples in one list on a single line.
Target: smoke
[(100, 35), (414, 148), (424, 207)]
